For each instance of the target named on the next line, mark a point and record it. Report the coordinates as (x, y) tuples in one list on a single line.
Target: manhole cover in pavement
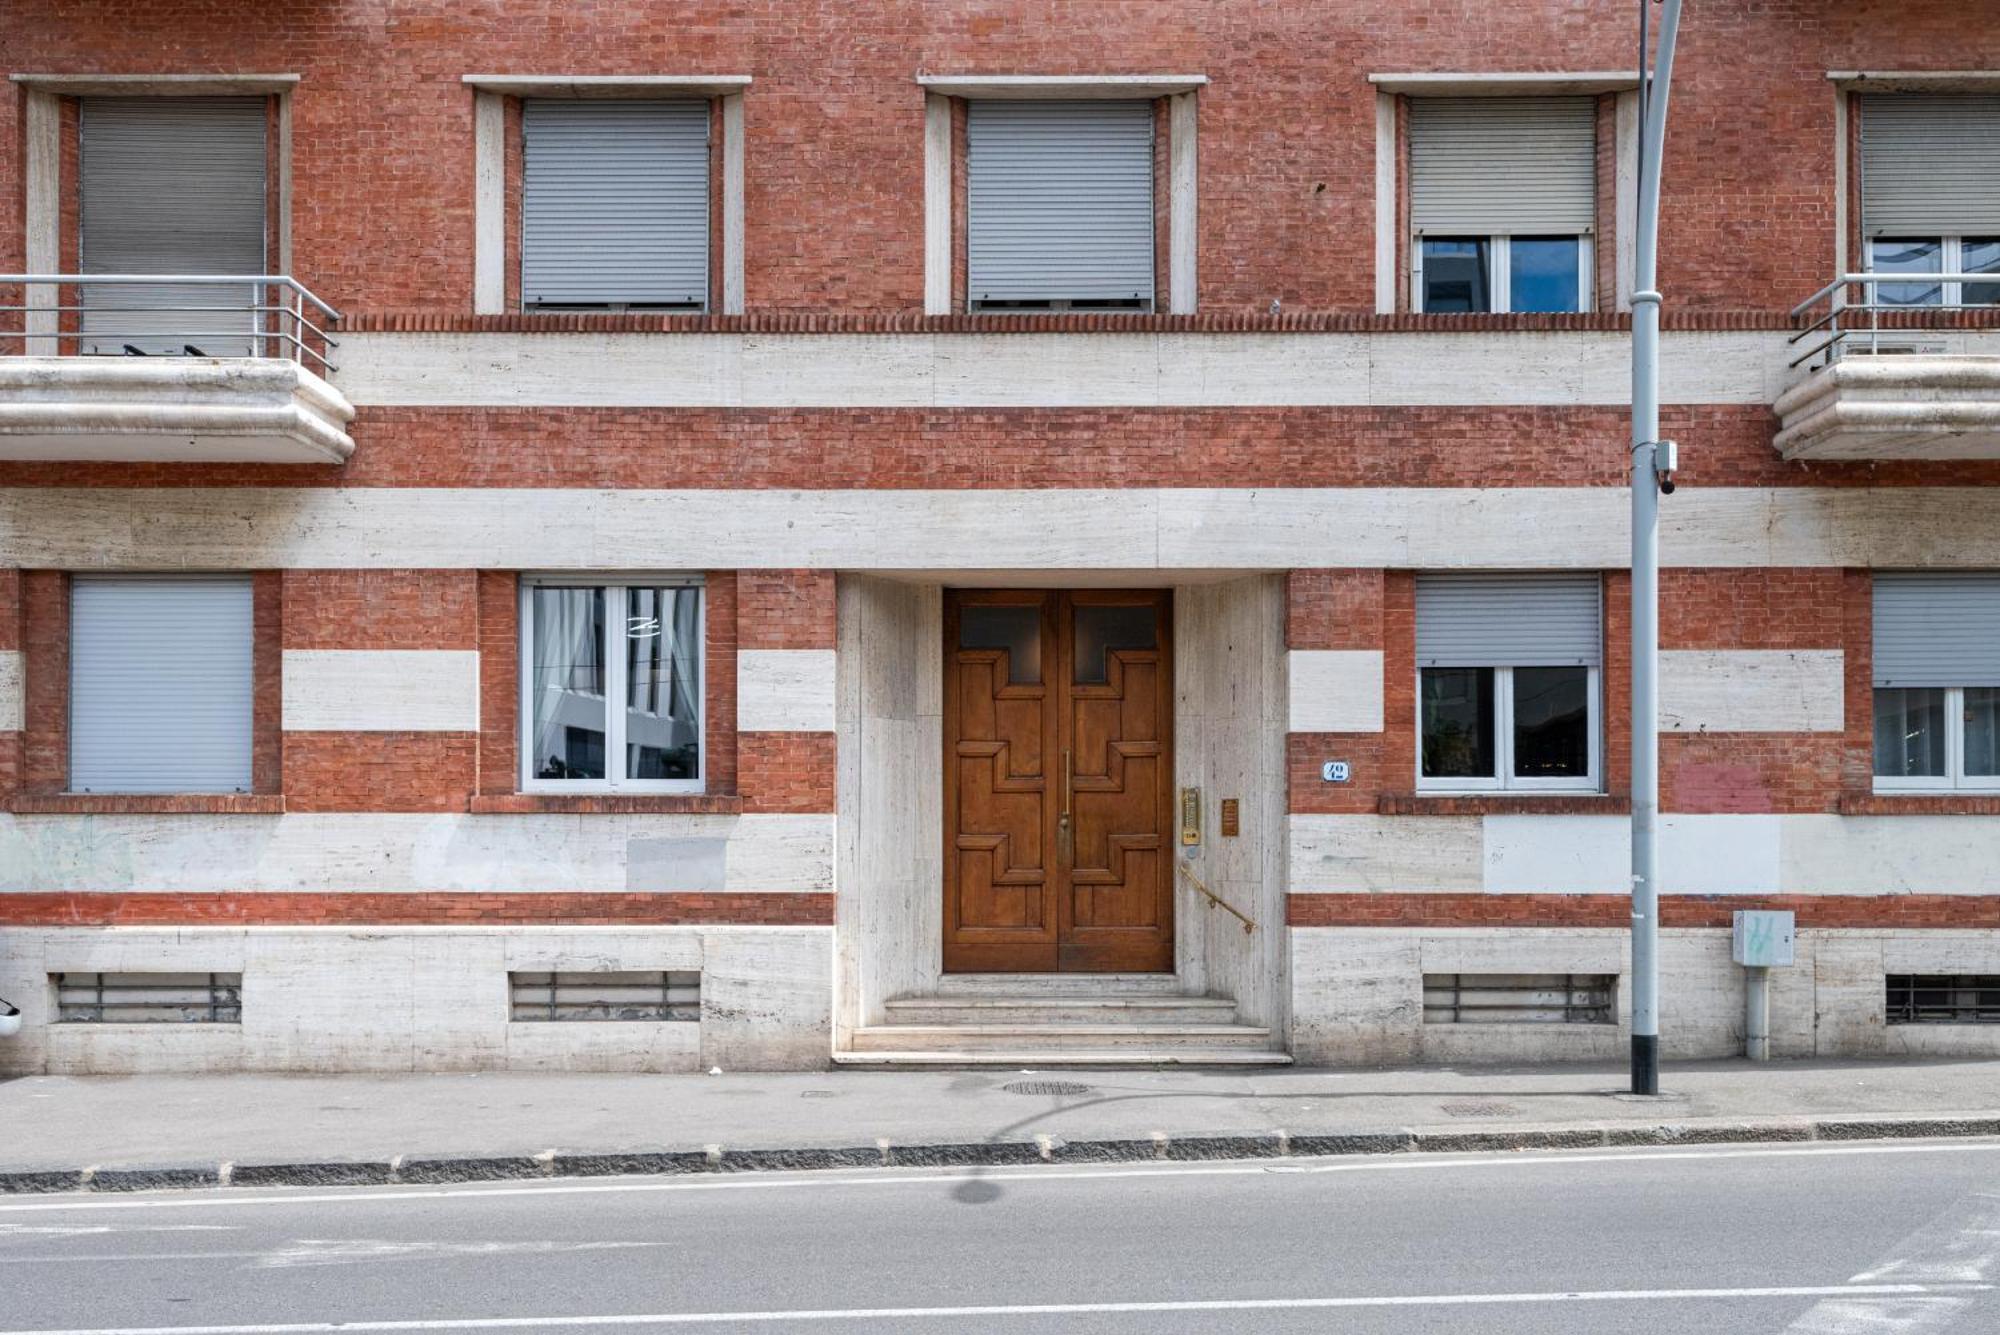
[(1488, 1109), (1046, 1087)]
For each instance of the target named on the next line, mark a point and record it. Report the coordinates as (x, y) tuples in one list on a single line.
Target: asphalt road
[(1827, 1240)]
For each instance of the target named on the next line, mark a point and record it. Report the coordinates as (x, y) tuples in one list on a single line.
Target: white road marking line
[(218, 1197), (1028, 1309), (1959, 1246), (312, 1252)]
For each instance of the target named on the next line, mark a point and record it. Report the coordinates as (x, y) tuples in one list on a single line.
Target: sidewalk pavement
[(125, 1133)]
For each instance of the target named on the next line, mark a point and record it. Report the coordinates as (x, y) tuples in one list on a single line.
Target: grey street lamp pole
[(1652, 472)]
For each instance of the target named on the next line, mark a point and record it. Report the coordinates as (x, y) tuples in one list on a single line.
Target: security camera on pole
[(1653, 463)]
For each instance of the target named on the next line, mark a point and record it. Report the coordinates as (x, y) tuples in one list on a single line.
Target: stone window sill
[(96, 804), (1502, 804), (605, 804)]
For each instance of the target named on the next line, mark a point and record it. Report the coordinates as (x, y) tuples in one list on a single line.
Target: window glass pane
[(1905, 256), (566, 683), (1015, 628), (1982, 731), (662, 683), (1980, 255), (1455, 275), (1101, 630), (1909, 732), (1551, 722), (1457, 710), (1542, 274)]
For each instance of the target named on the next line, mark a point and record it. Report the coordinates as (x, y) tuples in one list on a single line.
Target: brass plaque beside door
[(1058, 781)]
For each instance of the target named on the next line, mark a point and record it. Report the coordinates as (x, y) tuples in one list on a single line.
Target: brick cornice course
[(448, 909), (1422, 909), (103, 804), (891, 322)]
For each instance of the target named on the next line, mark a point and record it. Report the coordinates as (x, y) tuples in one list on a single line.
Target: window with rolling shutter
[(1059, 208), (1509, 621), (1503, 200), (160, 684), (615, 203), (1930, 195), (1937, 628), (1930, 164), (171, 185), (1488, 165), (1937, 680), (1507, 681)]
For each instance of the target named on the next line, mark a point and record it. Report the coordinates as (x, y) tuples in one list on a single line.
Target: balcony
[(168, 368), (1895, 366)]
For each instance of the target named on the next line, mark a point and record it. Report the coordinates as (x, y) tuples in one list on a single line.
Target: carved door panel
[(1058, 781)]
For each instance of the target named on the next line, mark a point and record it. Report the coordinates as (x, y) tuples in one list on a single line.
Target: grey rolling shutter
[(1509, 621), (1059, 201), (160, 685), (1937, 629), (1930, 164), (171, 185), (1487, 165), (614, 203)]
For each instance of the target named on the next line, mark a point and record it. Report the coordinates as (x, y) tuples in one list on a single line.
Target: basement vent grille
[(1520, 998), (633, 994), (1965, 998), (149, 998), (1046, 1087)]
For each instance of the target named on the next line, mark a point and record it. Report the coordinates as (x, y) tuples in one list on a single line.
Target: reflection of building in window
[(574, 669)]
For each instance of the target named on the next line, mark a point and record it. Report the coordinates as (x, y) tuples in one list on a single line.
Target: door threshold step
[(1058, 984), (1071, 1057)]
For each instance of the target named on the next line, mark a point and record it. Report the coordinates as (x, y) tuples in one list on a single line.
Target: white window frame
[(1504, 779), (1954, 779), (614, 686), (1500, 275), (1951, 259)]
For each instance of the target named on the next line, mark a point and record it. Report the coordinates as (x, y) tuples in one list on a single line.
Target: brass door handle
[(1064, 840)]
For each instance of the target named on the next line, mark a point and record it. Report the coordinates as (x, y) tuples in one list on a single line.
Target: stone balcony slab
[(171, 409)]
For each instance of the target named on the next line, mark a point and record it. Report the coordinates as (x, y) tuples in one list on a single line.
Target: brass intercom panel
[(1190, 817)]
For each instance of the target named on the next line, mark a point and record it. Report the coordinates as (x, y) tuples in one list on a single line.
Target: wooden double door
[(1058, 801)]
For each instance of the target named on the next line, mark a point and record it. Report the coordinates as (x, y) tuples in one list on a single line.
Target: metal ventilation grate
[(1046, 1087), (1964, 998), (1520, 998), (629, 994), (149, 998)]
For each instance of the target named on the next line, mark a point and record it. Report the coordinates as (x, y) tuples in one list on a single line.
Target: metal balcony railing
[(1872, 312), (166, 315)]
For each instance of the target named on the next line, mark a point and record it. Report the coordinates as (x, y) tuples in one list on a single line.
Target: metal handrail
[(1215, 900), (281, 311), (1845, 318)]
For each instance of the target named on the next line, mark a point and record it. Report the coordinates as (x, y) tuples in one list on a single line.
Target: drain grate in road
[(1046, 1087), (1485, 1109)]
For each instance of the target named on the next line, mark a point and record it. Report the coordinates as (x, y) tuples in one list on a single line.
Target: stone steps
[(1056, 1037), (1061, 1020), (1066, 1057), (1114, 1009)]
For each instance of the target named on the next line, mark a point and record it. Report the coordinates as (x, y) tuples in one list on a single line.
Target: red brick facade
[(385, 215)]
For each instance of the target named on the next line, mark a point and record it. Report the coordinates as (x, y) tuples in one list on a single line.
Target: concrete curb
[(432, 1170)]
